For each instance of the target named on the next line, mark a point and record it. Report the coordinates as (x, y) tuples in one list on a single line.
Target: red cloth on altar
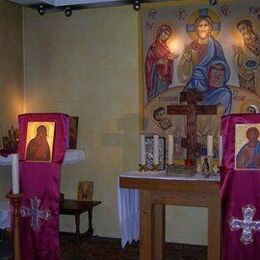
[(40, 187), (240, 192)]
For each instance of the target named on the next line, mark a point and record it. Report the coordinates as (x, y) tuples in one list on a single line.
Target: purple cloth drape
[(240, 193), (40, 188)]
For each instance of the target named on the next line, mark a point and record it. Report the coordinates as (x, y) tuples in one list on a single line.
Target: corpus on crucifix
[(191, 110)]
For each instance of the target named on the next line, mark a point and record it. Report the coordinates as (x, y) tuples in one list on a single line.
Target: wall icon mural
[(213, 50)]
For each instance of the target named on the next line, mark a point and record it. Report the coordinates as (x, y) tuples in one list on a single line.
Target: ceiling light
[(41, 9), (213, 2), (68, 11), (137, 5)]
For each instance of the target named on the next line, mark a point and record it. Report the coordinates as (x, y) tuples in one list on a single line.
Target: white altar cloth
[(5, 218), (128, 210), (129, 202), (71, 156)]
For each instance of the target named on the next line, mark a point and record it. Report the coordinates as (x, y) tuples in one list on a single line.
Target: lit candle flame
[(174, 46)]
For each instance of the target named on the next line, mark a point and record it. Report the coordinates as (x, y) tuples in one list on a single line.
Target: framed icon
[(39, 141), (85, 190), (247, 147)]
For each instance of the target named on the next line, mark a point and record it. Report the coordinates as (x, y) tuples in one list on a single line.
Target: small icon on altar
[(206, 165)]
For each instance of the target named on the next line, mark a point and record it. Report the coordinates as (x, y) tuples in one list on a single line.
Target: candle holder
[(206, 166), (142, 168), (15, 201), (155, 167), (216, 169)]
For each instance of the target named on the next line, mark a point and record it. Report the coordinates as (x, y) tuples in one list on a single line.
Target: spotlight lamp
[(68, 11), (137, 5), (213, 2), (41, 9)]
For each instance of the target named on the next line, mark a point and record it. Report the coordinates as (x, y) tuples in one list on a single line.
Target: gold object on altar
[(142, 168), (156, 167), (10, 142)]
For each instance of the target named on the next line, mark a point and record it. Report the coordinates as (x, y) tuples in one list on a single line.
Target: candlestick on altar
[(15, 174), (15, 201), (220, 149), (155, 149), (142, 150), (155, 153), (170, 149), (142, 164), (210, 145)]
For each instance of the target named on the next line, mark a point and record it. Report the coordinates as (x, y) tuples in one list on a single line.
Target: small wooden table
[(156, 192), (76, 208)]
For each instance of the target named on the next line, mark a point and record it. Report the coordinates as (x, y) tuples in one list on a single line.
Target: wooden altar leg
[(214, 228), (146, 228), (159, 232)]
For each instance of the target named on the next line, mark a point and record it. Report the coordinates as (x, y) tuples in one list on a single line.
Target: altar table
[(158, 190)]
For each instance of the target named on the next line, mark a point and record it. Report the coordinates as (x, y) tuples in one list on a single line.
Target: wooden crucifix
[(191, 110)]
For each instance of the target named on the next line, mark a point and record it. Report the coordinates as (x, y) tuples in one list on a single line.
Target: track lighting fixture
[(137, 5), (41, 9), (68, 11), (213, 2)]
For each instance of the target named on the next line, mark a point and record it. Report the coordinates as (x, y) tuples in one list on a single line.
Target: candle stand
[(142, 168), (15, 201), (156, 167)]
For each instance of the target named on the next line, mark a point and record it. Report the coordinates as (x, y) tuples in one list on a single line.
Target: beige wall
[(87, 65), (11, 75)]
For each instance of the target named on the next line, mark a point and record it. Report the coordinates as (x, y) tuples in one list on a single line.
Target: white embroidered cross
[(35, 213), (248, 225)]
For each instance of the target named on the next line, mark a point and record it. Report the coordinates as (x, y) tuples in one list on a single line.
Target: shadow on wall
[(126, 138)]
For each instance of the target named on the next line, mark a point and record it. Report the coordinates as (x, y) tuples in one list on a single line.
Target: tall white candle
[(220, 149), (15, 174), (142, 150), (155, 149), (210, 145), (170, 149)]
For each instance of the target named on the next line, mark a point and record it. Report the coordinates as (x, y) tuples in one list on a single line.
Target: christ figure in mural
[(159, 63), (249, 154), (203, 66), (38, 148)]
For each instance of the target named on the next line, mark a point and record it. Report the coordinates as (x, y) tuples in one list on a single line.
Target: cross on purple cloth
[(248, 225), (35, 213)]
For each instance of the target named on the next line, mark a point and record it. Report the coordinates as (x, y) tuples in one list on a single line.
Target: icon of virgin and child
[(202, 65), (38, 148)]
